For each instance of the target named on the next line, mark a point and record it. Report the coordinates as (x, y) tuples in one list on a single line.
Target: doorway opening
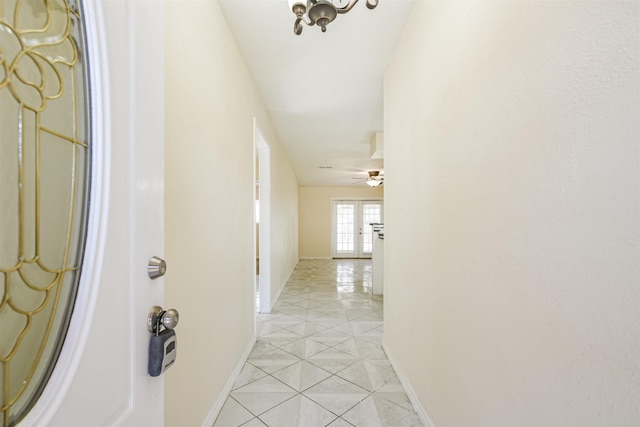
[(262, 234)]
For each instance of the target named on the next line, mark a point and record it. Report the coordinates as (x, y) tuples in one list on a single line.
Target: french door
[(352, 235)]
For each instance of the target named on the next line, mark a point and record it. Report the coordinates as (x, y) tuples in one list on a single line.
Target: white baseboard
[(411, 393), (274, 299), (217, 406), (314, 257)]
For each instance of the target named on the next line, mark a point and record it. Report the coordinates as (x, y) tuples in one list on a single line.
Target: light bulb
[(297, 2)]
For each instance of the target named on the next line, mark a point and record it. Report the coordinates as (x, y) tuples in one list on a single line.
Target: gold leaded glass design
[(44, 181)]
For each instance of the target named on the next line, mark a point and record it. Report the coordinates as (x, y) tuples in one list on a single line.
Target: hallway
[(318, 360)]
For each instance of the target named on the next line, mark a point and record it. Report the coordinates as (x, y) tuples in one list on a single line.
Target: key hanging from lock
[(159, 323), (157, 316), (163, 342)]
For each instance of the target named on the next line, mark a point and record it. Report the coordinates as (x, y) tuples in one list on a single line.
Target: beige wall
[(511, 276), (284, 220), (315, 216), (210, 104)]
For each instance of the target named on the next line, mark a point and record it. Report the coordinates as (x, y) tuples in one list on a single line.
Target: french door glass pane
[(370, 213), (345, 223)]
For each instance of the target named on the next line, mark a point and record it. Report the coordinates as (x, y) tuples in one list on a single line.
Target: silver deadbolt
[(158, 317), (157, 267)]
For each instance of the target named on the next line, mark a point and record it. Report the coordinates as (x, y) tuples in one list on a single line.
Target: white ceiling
[(322, 90)]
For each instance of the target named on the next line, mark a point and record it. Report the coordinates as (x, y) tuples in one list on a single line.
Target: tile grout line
[(331, 316)]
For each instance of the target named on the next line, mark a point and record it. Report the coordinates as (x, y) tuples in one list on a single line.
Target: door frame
[(334, 200), (263, 151)]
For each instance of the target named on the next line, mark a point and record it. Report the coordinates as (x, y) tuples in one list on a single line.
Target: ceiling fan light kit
[(374, 179), (321, 12)]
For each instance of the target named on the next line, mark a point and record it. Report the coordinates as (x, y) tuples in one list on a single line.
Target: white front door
[(101, 376), (352, 232)]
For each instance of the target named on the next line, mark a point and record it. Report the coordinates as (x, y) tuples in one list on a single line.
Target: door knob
[(170, 318), (158, 317)]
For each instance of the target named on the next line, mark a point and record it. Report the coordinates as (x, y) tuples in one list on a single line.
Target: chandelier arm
[(302, 12), (297, 27), (348, 7)]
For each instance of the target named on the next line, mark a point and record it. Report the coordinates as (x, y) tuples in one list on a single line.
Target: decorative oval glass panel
[(44, 190)]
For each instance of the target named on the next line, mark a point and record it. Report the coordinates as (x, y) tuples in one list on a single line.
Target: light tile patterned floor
[(318, 359)]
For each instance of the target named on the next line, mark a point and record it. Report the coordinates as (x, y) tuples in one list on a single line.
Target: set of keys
[(162, 345)]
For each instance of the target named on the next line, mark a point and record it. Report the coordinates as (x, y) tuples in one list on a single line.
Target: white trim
[(314, 257), (127, 411), (263, 149), (222, 397), (411, 393), (274, 299), (255, 250), (86, 298)]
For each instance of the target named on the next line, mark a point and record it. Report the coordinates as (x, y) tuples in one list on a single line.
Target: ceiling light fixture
[(321, 12), (375, 178)]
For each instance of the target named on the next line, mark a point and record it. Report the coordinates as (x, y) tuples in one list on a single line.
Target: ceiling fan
[(375, 178)]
